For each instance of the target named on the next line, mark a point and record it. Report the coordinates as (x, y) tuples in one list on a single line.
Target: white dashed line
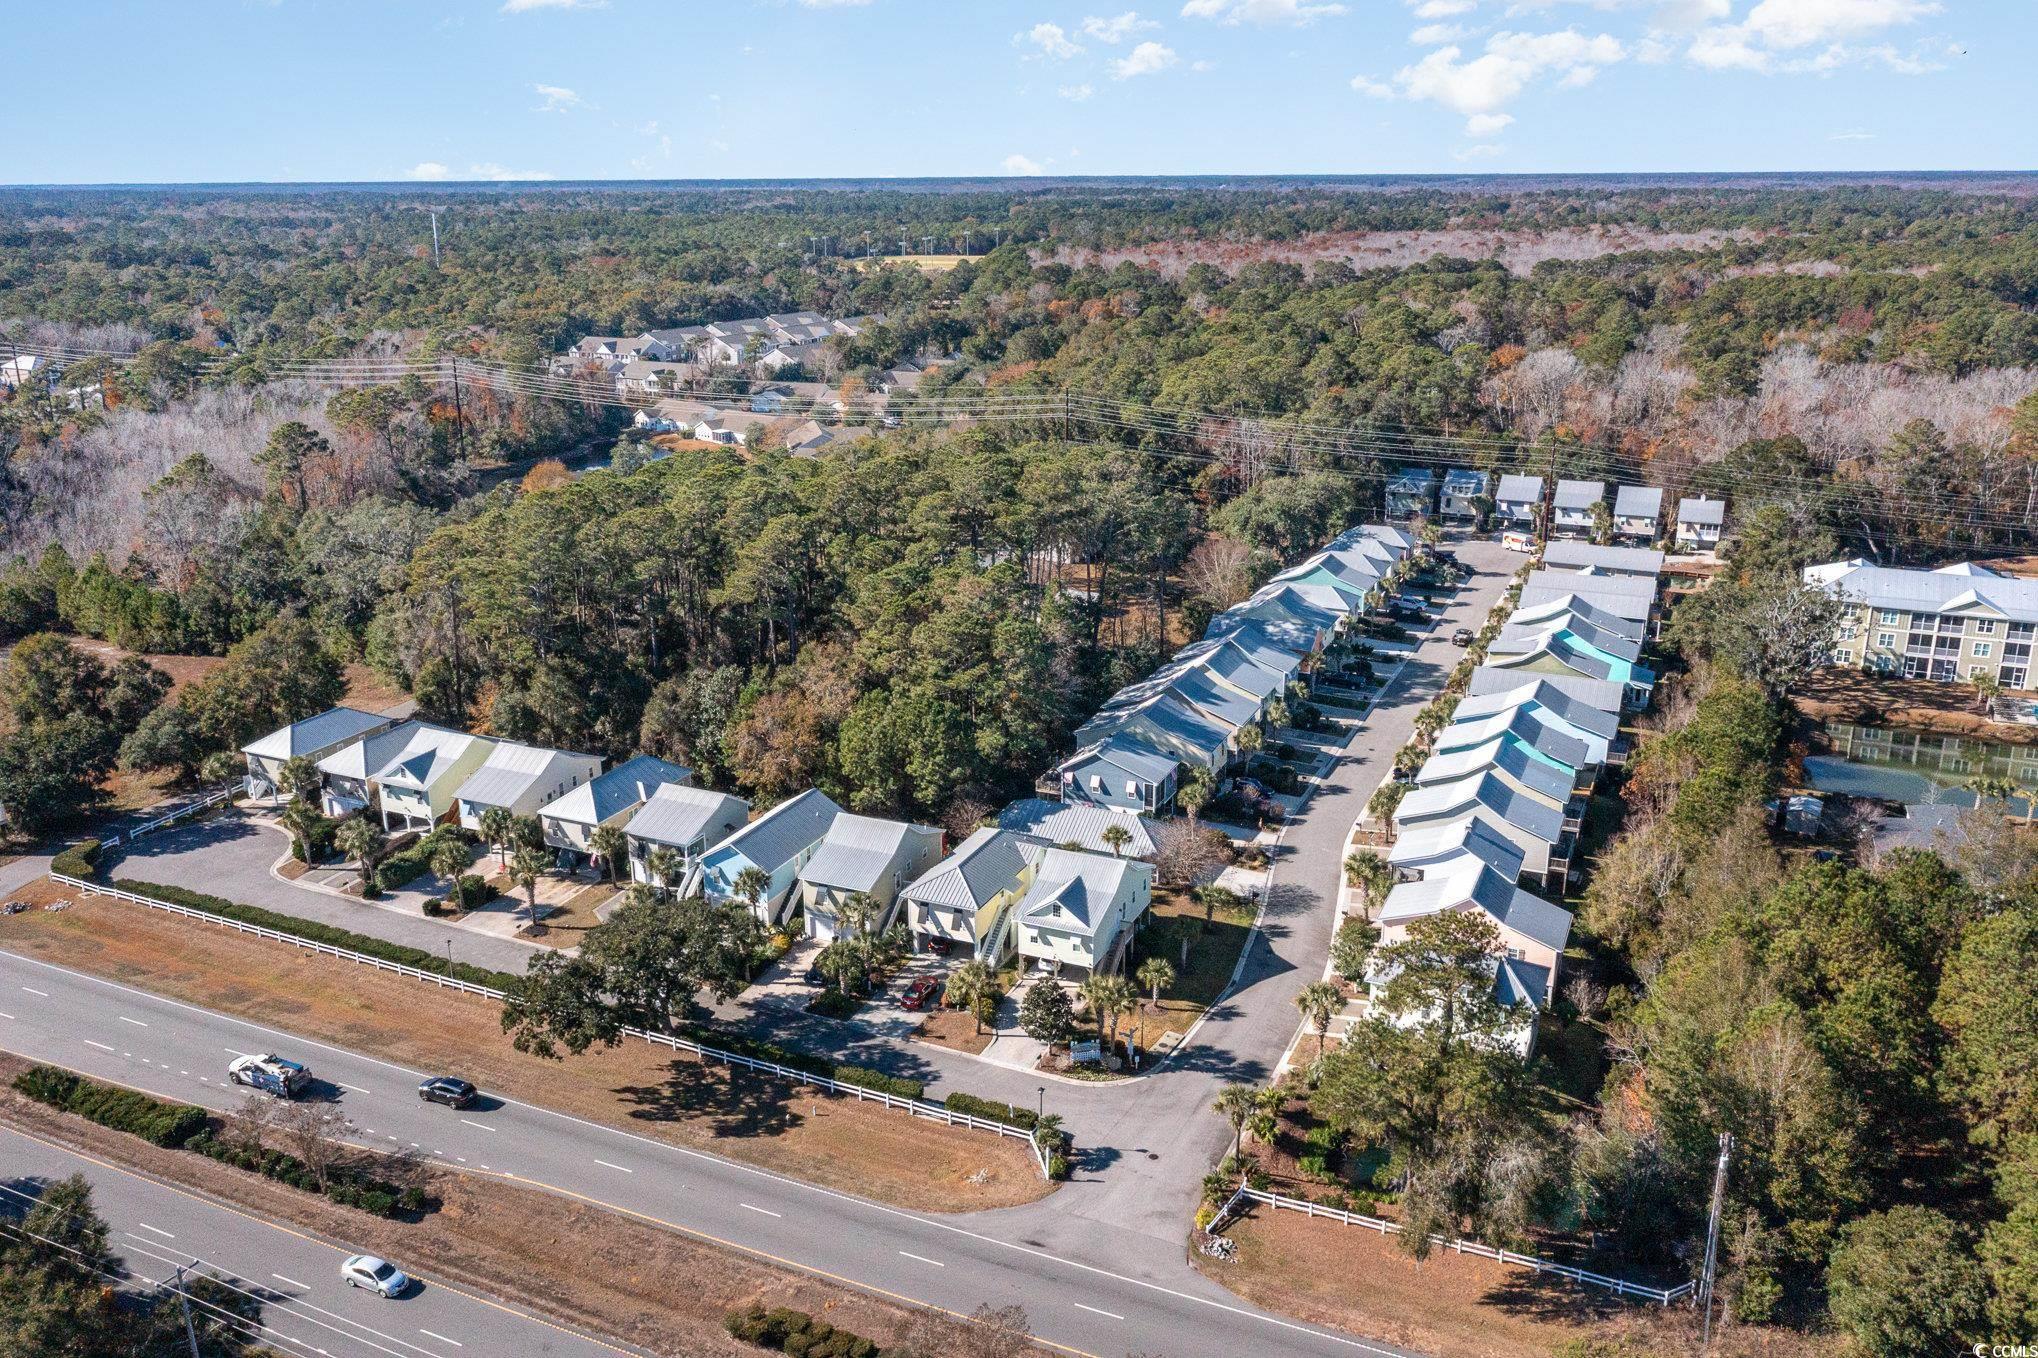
[(766, 1211), (33, 991), (1095, 1312), (157, 1230), (101, 1045), (606, 1165), (6, 1016), (136, 1022), (292, 1281), (358, 1090), (441, 1338), (482, 1125), (923, 1259)]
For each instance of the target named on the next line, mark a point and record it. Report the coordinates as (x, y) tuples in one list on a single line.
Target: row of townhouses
[(1186, 716), (767, 344), (1492, 819), (1463, 495), (1962, 622)]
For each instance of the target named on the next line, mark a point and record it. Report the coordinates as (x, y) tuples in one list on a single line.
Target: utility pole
[(435, 235), (459, 412), (184, 1304), (1712, 1239)]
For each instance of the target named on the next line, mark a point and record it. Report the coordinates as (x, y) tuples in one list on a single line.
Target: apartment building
[(1958, 623)]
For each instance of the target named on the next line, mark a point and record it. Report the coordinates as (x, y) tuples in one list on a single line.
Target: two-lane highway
[(179, 1051), (306, 1309)]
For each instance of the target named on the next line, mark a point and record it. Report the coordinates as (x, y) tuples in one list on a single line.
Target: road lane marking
[(733, 1166), (765, 1210), (136, 1022), (292, 1281), (482, 1125), (921, 1258), (1095, 1312), (101, 1045), (441, 1338), (33, 991), (606, 1165), (358, 1090), (156, 1230)]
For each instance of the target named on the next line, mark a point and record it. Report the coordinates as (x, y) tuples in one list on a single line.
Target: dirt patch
[(293, 870), (370, 691), (841, 1143), (1864, 699), (1452, 1306), (629, 1280), (955, 1029)]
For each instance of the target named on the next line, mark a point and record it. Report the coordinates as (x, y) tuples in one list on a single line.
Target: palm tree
[(1368, 872), (526, 866), (1047, 1131), (298, 779), (1265, 1119), (1987, 688), (448, 861), (1319, 1002), (662, 864), (219, 767), (495, 828), (302, 820), (1236, 1105), (838, 962), (1251, 738), (1116, 837), (361, 839), (609, 846), (1277, 712), (1156, 974), (1110, 997), (1195, 794), (751, 884), (971, 986)]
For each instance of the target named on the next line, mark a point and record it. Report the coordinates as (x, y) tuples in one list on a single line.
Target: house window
[(1984, 627), (1976, 671), (1885, 641), (1983, 649), (1889, 616)]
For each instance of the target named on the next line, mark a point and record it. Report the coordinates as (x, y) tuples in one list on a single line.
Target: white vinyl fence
[(192, 808), (918, 1108), (1620, 1287)]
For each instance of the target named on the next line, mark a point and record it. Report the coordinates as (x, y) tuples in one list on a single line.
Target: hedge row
[(124, 1110), (862, 1077), (80, 860), (797, 1334), (315, 932), (414, 860), (990, 1110), (348, 1188)]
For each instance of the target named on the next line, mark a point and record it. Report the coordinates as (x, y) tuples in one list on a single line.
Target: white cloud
[(1201, 66), (1509, 64), (1435, 35), (1487, 124), (557, 98), (1076, 93), (1149, 58), (1800, 23), (1684, 15), (429, 169), (1291, 12), (1049, 40), (1377, 89), (1852, 134), (1023, 165), (1444, 9), (526, 6), (1118, 29)]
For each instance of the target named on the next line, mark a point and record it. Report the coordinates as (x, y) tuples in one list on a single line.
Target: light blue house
[(1121, 772), (1168, 726), (778, 844), (1352, 576)]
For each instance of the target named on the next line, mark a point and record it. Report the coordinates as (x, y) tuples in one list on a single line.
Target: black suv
[(447, 1090)]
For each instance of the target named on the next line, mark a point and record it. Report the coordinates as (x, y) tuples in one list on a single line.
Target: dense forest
[(1154, 396)]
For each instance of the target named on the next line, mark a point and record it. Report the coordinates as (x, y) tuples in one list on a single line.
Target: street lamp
[(1043, 1102)]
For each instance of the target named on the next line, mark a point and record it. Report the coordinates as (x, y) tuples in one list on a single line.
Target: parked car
[(920, 994), (447, 1089), (939, 946), (1462, 637), (377, 1275), (271, 1074)]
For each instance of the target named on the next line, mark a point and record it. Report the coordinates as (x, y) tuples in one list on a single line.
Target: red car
[(920, 994)]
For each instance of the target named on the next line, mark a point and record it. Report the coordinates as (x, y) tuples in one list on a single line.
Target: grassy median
[(837, 1142)]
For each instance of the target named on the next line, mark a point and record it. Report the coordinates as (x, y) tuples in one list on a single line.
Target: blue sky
[(327, 90)]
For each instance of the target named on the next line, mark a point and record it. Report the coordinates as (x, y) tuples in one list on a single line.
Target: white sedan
[(377, 1275)]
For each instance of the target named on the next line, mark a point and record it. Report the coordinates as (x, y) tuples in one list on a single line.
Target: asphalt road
[(306, 1309), (180, 1052)]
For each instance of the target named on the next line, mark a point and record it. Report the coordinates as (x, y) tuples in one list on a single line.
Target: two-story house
[(1464, 495), (1638, 513), (1411, 493), (1699, 523), (777, 844), (520, 779), (862, 856), (1575, 506), (1518, 501), (570, 821), (684, 820), (1960, 622), (1081, 910), (313, 738)]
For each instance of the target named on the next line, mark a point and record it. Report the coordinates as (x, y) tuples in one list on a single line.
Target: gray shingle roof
[(1073, 891), (1466, 880), (676, 814), (1579, 494), (1421, 846), (321, 732), (1638, 502), (856, 850), (1547, 693), (1517, 809), (1505, 754), (1601, 695), (1631, 596), (784, 831), (626, 785), (1515, 487), (1564, 556), (988, 862), (1713, 512), (1578, 606), (1075, 823)]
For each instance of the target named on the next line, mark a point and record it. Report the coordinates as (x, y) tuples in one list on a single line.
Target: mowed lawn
[(1211, 956), (837, 1142)]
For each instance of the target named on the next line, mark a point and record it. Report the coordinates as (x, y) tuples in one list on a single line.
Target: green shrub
[(320, 837), (80, 860), (347, 1188), (124, 1110), (414, 860), (834, 1004), (472, 890), (1011, 1114), (1057, 1166), (897, 1085), (796, 1334), (318, 933)]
